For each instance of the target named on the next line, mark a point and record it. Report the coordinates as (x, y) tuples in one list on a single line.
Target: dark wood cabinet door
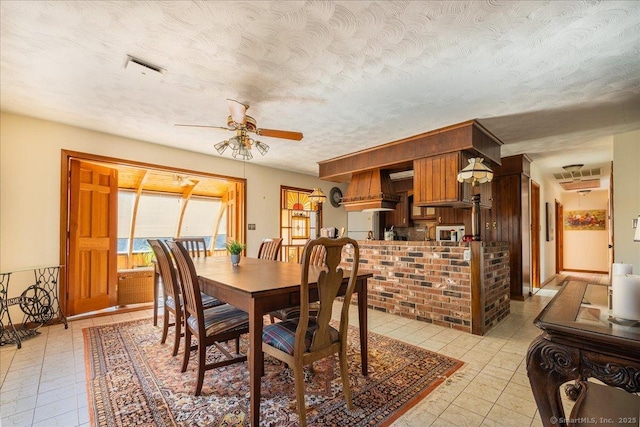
[(400, 216), (510, 213), (435, 180)]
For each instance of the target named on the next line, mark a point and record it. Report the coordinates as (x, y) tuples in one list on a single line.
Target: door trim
[(559, 212), (65, 161)]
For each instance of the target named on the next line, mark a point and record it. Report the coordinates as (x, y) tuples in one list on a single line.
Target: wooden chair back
[(270, 248), (318, 255), (194, 245), (166, 268), (329, 282), (188, 281), (172, 294)]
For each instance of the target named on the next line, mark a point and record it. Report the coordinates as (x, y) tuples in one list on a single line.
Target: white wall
[(626, 197), (586, 249), (549, 193), (30, 159)]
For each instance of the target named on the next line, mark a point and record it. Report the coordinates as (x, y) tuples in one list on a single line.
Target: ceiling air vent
[(143, 68), (578, 175), (580, 184)]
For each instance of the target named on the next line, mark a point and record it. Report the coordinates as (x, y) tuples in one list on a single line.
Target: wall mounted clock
[(335, 197)]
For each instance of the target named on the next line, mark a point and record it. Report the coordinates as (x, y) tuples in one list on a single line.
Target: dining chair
[(598, 401), (211, 326), (304, 340), (318, 258), (172, 295), (194, 245), (270, 248)]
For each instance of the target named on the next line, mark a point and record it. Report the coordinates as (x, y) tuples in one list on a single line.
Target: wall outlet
[(467, 255)]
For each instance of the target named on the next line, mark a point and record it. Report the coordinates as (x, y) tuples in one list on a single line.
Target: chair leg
[(298, 376), (178, 332), (344, 373), (165, 325), (187, 348), (202, 359)]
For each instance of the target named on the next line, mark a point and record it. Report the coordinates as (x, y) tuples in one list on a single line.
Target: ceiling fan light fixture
[(262, 147), (242, 125), (222, 146), (183, 181), (242, 152)]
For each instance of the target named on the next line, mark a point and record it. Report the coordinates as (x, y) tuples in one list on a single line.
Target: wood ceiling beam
[(468, 136)]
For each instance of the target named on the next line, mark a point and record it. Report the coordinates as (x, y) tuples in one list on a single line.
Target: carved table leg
[(550, 365)]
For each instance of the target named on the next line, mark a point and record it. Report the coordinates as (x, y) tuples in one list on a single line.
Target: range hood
[(370, 190)]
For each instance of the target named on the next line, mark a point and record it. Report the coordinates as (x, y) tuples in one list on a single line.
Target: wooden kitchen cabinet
[(435, 182), (400, 217), (448, 216), (510, 219), (422, 213)]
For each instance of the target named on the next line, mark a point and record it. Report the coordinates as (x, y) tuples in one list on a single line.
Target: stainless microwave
[(449, 233)]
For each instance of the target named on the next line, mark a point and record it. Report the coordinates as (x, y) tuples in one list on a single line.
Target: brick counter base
[(431, 281)]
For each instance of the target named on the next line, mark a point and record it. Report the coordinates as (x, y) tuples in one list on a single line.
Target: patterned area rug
[(133, 380)]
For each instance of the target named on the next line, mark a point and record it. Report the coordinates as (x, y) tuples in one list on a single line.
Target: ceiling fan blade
[(285, 134), (238, 111), (203, 126)]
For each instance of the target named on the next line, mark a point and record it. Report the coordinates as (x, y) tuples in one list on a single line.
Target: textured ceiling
[(551, 79)]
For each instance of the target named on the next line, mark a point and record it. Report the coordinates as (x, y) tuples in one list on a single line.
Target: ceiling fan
[(241, 143)]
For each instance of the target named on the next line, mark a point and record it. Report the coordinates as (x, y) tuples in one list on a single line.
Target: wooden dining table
[(259, 286)]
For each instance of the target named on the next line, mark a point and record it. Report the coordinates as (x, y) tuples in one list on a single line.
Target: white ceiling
[(552, 79)]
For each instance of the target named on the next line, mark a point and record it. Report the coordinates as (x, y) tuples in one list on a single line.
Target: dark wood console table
[(579, 341)]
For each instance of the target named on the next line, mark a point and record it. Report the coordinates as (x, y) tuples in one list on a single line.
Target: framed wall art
[(549, 221), (593, 219)]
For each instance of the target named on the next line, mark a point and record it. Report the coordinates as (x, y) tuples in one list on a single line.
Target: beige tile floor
[(43, 384)]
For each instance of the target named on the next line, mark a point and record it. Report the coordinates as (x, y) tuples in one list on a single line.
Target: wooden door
[(92, 233), (535, 237)]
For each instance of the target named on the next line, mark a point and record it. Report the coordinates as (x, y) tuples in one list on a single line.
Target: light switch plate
[(467, 255)]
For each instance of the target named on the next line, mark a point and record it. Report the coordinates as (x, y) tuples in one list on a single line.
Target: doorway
[(89, 279)]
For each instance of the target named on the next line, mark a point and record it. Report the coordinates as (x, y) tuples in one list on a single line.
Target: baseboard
[(586, 271)]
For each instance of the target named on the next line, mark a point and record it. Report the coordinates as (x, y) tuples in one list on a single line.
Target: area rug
[(132, 379)]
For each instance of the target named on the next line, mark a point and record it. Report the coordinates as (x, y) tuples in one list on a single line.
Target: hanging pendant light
[(475, 172)]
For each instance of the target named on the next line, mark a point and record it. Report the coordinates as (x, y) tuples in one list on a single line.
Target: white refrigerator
[(360, 223)]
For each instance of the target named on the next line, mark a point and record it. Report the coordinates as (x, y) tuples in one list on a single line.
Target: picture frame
[(586, 220), (549, 221)]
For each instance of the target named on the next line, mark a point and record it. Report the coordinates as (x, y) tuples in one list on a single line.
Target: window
[(200, 220), (298, 222), (158, 216)]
